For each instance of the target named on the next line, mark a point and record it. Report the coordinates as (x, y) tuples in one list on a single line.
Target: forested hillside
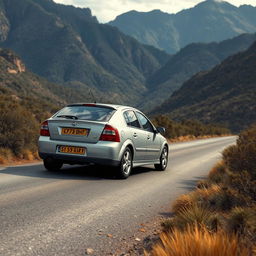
[(68, 46)]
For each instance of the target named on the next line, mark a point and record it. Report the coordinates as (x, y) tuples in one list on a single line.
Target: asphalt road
[(66, 212)]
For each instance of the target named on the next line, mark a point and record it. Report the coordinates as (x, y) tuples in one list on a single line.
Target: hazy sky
[(107, 10)]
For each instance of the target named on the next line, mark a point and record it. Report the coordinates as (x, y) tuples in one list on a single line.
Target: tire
[(125, 167), (52, 164), (163, 160)]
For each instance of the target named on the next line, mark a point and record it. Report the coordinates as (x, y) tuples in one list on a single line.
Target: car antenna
[(93, 97)]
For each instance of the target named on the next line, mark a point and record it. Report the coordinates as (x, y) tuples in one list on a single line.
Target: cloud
[(108, 10)]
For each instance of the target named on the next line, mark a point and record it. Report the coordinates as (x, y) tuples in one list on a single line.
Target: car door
[(137, 135), (153, 140)]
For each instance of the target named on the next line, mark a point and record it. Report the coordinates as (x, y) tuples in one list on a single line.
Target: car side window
[(145, 122), (131, 119)]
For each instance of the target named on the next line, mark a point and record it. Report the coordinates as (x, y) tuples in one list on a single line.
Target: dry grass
[(195, 215), (7, 157), (200, 196), (197, 241), (218, 218), (183, 202)]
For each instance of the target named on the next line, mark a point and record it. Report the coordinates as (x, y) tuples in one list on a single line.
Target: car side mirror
[(160, 130)]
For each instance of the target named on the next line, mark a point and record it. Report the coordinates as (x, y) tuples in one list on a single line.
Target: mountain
[(17, 82), (187, 62), (209, 21), (68, 46), (226, 94)]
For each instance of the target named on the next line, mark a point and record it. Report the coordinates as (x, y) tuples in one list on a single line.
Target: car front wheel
[(52, 164), (125, 166), (163, 160)]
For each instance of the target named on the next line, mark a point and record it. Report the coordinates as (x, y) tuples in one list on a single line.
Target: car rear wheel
[(163, 160), (52, 164), (125, 167)]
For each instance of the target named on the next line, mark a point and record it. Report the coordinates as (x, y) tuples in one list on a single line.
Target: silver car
[(106, 134)]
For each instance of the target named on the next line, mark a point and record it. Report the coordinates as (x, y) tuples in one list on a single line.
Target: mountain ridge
[(206, 22), (187, 62)]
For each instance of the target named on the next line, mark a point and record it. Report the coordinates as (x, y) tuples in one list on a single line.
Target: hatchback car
[(114, 135)]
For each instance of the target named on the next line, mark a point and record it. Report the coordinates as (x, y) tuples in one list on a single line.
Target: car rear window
[(91, 113)]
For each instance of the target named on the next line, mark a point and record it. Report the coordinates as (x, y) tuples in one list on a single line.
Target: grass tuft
[(194, 215), (198, 241)]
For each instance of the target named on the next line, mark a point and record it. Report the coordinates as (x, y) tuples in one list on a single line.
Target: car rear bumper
[(79, 160), (102, 152)]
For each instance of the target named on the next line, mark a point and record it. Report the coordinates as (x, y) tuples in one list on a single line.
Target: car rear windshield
[(91, 113)]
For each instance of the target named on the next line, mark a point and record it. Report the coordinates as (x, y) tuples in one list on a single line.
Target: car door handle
[(135, 135), (148, 137)]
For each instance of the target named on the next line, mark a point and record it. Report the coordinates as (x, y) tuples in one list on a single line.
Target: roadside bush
[(242, 221), (5, 155), (217, 173), (18, 129), (242, 156), (244, 184), (191, 128)]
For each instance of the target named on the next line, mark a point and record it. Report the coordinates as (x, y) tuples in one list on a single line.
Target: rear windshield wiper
[(68, 116)]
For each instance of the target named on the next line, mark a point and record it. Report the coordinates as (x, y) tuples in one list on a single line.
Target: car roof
[(114, 106)]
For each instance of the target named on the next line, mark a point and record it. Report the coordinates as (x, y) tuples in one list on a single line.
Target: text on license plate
[(74, 131), (72, 150)]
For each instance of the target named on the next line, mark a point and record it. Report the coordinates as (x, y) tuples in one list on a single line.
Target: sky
[(106, 10)]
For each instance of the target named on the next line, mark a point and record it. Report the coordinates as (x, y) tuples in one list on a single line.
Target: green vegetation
[(18, 127), (226, 94), (188, 128), (223, 206)]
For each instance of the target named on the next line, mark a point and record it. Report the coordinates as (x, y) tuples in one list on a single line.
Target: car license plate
[(72, 150), (74, 131)]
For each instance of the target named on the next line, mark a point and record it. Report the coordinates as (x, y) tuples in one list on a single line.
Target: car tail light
[(110, 134), (44, 131)]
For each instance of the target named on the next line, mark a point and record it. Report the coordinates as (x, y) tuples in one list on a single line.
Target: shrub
[(18, 128), (243, 222), (217, 173), (226, 199), (244, 184), (187, 128), (242, 157), (5, 155)]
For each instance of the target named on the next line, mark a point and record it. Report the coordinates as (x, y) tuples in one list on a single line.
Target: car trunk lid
[(75, 130)]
